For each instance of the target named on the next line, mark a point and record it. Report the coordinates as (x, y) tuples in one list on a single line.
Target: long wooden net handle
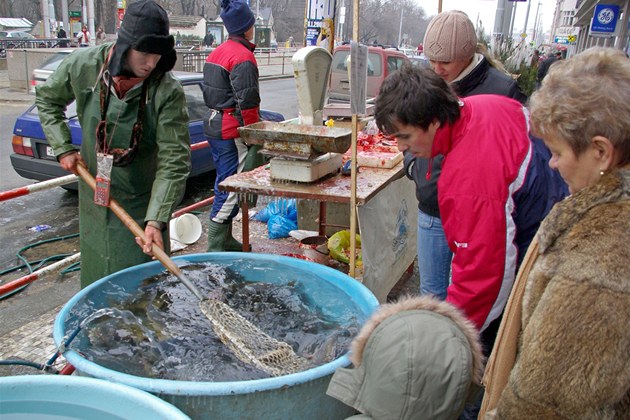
[(131, 224)]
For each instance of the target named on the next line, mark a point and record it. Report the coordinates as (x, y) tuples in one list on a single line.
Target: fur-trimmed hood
[(416, 358), (409, 303)]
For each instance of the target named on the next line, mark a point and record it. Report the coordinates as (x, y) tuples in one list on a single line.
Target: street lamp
[(536, 23)]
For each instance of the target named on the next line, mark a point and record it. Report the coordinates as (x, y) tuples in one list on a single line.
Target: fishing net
[(249, 343)]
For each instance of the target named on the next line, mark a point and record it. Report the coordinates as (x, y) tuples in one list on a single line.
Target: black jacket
[(484, 79), (230, 88), (543, 68)]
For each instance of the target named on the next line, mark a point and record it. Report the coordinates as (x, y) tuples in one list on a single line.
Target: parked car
[(13, 39), (16, 34), (420, 61), (41, 74), (381, 62), (33, 157)]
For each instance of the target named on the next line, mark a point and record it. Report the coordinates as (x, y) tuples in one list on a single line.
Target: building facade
[(575, 21)]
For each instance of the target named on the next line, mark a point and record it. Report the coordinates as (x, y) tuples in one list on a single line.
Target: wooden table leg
[(245, 231), (322, 218)]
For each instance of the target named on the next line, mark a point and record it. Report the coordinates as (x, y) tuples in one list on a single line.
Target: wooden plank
[(335, 188)]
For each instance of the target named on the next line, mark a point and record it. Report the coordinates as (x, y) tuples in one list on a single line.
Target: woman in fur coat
[(573, 356)]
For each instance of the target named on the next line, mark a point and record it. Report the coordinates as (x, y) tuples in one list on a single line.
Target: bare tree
[(6, 8), (28, 9), (379, 19)]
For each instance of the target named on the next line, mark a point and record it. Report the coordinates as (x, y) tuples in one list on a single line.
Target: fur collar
[(613, 186)]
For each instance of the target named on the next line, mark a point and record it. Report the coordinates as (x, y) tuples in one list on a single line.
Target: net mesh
[(249, 343)]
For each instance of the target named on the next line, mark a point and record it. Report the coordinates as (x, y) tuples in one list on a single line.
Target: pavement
[(12, 95)]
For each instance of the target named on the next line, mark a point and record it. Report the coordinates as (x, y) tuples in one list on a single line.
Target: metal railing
[(11, 43), (279, 62)]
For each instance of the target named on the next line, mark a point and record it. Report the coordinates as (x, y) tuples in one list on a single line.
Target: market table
[(386, 206)]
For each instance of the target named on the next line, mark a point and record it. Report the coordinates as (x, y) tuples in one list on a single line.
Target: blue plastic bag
[(286, 207), (279, 226), (280, 216)]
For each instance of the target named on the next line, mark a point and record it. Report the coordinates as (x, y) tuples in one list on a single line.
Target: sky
[(485, 10)]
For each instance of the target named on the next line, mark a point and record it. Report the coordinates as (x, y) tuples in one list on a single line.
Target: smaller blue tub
[(73, 397)]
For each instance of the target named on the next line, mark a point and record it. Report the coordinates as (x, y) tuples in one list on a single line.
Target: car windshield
[(340, 63), (15, 34), (53, 62)]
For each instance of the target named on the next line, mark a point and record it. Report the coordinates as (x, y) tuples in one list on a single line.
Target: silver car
[(41, 74)]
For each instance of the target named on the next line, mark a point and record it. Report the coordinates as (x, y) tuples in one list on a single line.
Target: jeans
[(228, 156), (434, 256)]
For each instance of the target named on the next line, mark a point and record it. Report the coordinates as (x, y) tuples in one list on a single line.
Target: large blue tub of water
[(71, 397), (300, 395)]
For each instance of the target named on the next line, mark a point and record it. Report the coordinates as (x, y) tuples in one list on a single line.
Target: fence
[(23, 61), (276, 63), (11, 43)]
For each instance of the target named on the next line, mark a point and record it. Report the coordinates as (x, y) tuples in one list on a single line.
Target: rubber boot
[(232, 244), (217, 235)]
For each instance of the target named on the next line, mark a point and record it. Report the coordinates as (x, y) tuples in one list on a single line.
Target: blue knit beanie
[(237, 16)]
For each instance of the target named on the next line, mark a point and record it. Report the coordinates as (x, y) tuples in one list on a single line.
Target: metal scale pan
[(299, 141), (304, 150)]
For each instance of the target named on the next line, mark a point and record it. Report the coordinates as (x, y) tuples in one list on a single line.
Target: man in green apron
[(135, 137)]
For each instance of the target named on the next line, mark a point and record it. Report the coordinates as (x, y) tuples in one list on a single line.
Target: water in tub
[(158, 330)]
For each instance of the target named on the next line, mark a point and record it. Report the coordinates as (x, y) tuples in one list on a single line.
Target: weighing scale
[(303, 150)]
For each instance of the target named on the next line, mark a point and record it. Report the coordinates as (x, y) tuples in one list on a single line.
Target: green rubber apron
[(107, 245)]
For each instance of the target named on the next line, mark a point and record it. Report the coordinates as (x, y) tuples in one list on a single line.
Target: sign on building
[(605, 18), (316, 12)]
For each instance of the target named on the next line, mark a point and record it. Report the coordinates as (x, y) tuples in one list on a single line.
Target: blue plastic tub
[(300, 395), (72, 397)]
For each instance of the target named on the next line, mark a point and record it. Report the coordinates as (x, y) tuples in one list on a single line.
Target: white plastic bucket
[(185, 229)]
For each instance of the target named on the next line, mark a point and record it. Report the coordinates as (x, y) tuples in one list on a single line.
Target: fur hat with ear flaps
[(144, 28), (237, 16)]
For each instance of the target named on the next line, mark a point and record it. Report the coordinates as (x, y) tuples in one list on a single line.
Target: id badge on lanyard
[(104, 163)]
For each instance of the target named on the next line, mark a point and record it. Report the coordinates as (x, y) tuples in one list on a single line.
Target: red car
[(381, 62)]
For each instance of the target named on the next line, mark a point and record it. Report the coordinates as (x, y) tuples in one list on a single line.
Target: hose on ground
[(32, 266)]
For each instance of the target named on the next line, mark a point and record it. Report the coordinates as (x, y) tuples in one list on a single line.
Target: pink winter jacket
[(487, 153)]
